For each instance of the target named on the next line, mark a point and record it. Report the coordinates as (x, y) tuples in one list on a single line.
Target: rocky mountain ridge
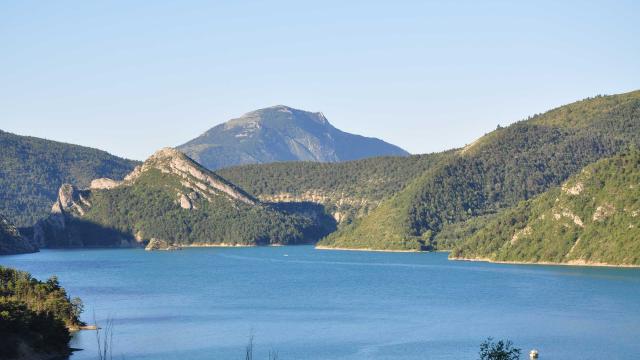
[(281, 133), (167, 183)]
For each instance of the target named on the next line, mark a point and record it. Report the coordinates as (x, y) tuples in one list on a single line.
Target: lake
[(317, 304)]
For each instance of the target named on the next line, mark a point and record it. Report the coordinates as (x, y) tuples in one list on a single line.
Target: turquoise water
[(312, 304)]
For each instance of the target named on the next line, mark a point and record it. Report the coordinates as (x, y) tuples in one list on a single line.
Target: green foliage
[(32, 170), (149, 208), (455, 233), (504, 167), (34, 313), (593, 218), (498, 350), (352, 188)]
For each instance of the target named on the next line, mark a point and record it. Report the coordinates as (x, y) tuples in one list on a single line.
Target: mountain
[(347, 190), (174, 199), (32, 170), (593, 218), (281, 133), (11, 242), (497, 171)]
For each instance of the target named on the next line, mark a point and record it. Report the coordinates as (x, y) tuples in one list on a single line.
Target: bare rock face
[(573, 190), (66, 195), (71, 201), (195, 177), (104, 184), (158, 244), (185, 202)]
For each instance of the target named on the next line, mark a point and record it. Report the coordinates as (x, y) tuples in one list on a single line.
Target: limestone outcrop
[(158, 244)]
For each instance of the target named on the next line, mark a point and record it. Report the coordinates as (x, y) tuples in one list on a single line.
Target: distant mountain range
[(281, 133), (437, 201)]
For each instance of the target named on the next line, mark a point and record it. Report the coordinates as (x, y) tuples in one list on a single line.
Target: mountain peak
[(281, 133), (191, 175), (165, 154)]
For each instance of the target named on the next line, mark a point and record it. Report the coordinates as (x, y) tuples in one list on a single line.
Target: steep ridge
[(592, 219), (32, 170), (497, 171), (172, 198), (281, 133), (11, 242)]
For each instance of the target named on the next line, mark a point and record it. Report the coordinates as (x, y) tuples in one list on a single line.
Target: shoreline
[(367, 249), (545, 263), (205, 245), (82, 328), (226, 245)]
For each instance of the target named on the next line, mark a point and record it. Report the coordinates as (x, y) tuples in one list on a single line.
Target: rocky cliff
[(11, 242)]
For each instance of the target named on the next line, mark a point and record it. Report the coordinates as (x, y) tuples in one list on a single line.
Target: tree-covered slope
[(11, 242), (32, 170), (348, 190), (172, 198), (35, 317), (593, 218), (497, 171), (281, 133)]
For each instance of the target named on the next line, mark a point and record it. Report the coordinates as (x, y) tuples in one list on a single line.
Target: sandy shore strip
[(365, 249), (547, 263), (225, 245)]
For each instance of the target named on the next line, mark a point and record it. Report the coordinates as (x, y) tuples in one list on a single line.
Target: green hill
[(497, 171), (172, 198), (348, 190), (35, 317), (32, 170), (593, 218), (11, 242)]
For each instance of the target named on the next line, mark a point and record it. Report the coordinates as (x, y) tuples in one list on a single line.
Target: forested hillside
[(174, 199), (348, 190), (32, 170), (594, 218), (499, 170), (35, 317)]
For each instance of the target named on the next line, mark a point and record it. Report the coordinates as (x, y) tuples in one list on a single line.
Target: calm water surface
[(311, 304)]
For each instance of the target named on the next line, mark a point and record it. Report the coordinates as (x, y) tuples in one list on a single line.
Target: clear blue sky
[(133, 76)]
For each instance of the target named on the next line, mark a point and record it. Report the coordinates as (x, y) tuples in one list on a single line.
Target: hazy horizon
[(130, 78)]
